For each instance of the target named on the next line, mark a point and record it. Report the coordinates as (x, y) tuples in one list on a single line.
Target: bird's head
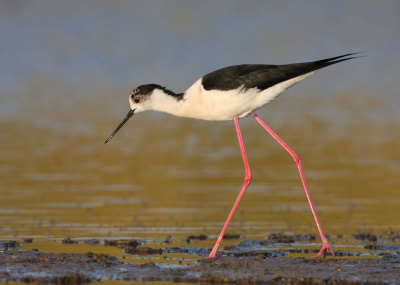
[(141, 99)]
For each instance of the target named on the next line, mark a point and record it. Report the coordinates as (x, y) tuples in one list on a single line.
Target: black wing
[(263, 76)]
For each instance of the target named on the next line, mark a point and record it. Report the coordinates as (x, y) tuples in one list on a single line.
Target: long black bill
[(127, 117)]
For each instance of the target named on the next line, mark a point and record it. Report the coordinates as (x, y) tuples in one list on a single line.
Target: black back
[(262, 76)]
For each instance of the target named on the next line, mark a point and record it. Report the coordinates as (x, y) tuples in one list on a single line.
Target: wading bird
[(232, 93)]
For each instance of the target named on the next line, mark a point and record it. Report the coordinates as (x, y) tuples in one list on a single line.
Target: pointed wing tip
[(363, 54), (337, 59)]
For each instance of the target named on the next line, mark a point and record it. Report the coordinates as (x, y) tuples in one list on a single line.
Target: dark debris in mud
[(9, 244), (367, 237), (284, 238), (143, 250), (231, 237), (69, 241), (194, 237), (120, 243), (123, 243), (92, 241)]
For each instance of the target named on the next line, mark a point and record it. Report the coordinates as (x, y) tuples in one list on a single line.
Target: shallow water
[(162, 176)]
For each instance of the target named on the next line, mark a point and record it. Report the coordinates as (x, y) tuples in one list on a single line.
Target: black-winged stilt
[(232, 93)]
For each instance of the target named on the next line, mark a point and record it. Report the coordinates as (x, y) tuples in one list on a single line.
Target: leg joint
[(248, 176), (296, 158)]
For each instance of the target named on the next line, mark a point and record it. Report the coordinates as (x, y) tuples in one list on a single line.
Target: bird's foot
[(324, 249)]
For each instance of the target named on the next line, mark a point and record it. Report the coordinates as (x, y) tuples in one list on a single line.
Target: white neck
[(163, 102)]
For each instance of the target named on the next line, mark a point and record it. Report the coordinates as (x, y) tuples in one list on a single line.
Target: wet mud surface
[(375, 260)]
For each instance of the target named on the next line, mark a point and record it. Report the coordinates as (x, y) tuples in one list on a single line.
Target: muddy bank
[(367, 259), (250, 268)]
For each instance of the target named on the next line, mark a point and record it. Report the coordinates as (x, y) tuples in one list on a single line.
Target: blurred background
[(67, 68)]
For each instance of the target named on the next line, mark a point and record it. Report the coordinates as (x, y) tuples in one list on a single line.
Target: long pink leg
[(247, 180), (296, 158)]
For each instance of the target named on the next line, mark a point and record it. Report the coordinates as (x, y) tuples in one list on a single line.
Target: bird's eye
[(136, 100)]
